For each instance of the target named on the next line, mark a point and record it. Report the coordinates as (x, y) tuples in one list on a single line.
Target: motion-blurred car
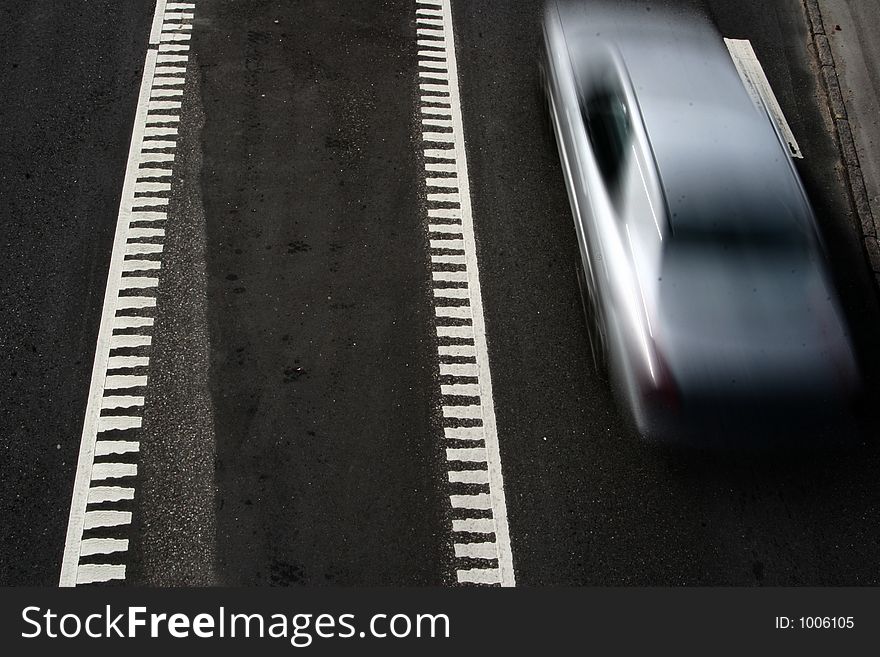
[(703, 274)]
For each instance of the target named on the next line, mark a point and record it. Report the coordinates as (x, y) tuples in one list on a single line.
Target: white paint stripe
[(447, 244), (141, 265), (463, 433), (459, 312), (438, 137), (71, 572), (434, 74), (120, 381), (445, 197), (154, 173), (464, 389), (444, 213), (756, 83), (468, 454), (124, 322), (152, 187), (440, 153), (448, 259), (476, 550), (104, 518), (148, 215), (449, 181), (455, 332), (149, 201), (135, 303), (474, 525), (460, 276), (167, 37), (495, 499), (118, 362), (160, 131), (128, 341), (101, 471), (462, 412), (142, 248), (441, 122), (165, 93), (469, 477), (480, 501), (136, 283), (93, 546), (106, 447), (117, 423), (482, 576), (451, 293), (101, 494), (445, 228), (459, 369), (121, 401), (92, 573), (157, 21), (163, 69)]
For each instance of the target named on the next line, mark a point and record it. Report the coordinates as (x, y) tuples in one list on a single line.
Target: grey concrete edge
[(867, 224)]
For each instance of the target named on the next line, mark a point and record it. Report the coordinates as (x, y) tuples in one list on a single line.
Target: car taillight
[(660, 389)]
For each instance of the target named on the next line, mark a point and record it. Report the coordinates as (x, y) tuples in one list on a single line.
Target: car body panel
[(700, 251)]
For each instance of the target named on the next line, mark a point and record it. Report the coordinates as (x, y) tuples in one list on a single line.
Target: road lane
[(588, 503), (323, 401), (293, 420), (70, 73)]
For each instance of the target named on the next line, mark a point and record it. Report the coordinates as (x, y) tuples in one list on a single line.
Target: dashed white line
[(479, 511), (104, 489)]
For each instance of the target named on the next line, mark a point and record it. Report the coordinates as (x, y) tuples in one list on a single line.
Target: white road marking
[(116, 436), (463, 433), (92, 546), (100, 494), (443, 139), (469, 477), (480, 576), (454, 332), (756, 83), (474, 525), (90, 573), (469, 454)]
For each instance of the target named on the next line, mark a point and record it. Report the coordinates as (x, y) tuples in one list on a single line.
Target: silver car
[(703, 274)]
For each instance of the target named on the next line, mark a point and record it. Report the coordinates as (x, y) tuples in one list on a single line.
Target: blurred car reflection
[(703, 274)]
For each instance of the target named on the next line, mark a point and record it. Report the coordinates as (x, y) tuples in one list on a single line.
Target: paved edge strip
[(481, 539), (869, 227), (96, 547)]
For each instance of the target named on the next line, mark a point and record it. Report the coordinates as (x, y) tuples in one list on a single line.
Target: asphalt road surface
[(293, 431)]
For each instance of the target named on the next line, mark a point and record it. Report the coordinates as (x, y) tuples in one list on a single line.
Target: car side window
[(607, 120)]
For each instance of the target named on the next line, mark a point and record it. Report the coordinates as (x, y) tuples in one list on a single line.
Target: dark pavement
[(292, 418), (70, 73)]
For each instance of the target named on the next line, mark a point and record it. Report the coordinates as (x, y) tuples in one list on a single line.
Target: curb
[(869, 227)]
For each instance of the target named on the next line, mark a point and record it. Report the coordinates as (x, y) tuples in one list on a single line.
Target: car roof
[(714, 149)]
